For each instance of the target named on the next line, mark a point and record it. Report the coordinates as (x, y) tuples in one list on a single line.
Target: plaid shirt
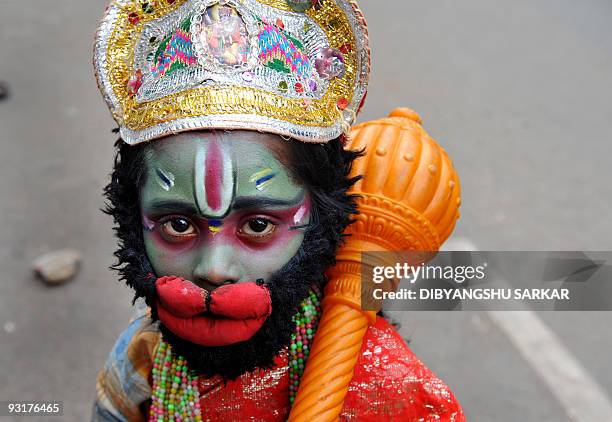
[(124, 384)]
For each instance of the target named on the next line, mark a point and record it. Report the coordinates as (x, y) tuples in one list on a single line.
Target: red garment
[(390, 384)]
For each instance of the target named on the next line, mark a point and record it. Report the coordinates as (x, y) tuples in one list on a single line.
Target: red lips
[(234, 312)]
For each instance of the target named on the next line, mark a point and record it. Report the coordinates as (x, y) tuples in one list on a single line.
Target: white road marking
[(582, 398), (578, 393)]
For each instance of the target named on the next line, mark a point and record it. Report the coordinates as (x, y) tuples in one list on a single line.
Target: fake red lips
[(230, 314)]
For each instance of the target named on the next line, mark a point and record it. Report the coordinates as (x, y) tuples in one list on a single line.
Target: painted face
[(220, 208)]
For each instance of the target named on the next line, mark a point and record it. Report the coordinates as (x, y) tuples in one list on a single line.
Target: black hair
[(323, 170)]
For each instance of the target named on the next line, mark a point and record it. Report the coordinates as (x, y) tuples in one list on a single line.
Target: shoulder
[(390, 383), (124, 382), (135, 348)]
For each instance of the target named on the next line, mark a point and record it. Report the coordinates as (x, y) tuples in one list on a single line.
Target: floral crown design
[(297, 68)]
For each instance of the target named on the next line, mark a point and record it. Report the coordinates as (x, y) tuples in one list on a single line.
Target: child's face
[(219, 207)]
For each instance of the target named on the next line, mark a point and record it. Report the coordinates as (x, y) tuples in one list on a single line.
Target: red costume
[(390, 384)]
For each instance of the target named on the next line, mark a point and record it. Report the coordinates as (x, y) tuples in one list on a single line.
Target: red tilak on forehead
[(213, 178)]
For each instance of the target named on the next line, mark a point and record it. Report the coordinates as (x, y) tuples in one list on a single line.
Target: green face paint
[(220, 207)]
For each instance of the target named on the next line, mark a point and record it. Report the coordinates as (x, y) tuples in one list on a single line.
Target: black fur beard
[(288, 288), (323, 170)]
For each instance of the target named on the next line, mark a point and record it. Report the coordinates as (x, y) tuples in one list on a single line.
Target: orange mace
[(409, 200)]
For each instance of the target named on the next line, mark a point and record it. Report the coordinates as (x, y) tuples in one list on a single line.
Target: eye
[(257, 228), (177, 229)]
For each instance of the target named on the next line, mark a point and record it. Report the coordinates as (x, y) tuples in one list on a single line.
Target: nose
[(216, 267)]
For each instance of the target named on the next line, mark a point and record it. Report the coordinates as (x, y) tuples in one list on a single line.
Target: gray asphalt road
[(517, 92)]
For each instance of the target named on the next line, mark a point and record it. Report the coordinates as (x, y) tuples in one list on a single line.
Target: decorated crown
[(297, 68)]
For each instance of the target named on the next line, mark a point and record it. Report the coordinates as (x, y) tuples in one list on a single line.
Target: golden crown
[(297, 68)]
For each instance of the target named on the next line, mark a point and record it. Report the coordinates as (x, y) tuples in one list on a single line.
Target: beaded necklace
[(306, 321), (175, 396), (175, 392)]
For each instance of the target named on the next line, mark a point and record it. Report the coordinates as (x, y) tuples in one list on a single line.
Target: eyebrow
[(253, 202), (170, 207), (161, 207)]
